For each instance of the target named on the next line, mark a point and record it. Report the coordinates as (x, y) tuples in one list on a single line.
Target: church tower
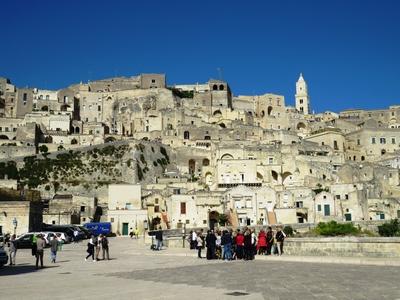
[(302, 98)]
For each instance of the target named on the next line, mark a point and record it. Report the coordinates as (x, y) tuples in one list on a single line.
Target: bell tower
[(302, 98)]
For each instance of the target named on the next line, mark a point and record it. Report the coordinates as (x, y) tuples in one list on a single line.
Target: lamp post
[(15, 223)]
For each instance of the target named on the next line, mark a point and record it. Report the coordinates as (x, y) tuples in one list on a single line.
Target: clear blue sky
[(348, 51)]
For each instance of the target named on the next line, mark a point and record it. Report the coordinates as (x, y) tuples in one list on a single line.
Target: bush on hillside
[(333, 228), (391, 228)]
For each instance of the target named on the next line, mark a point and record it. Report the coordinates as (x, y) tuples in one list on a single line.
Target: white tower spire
[(301, 96)]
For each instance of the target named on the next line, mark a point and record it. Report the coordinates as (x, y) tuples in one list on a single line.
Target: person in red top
[(262, 242), (239, 244)]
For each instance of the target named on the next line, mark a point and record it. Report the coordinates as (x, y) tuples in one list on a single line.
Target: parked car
[(3, 257), (87, 232), (50, 234), (24, 241), (66, 229)]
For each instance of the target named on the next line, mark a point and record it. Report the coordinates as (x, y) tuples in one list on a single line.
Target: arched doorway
[(213, 217), (301, 125), (192, 166)]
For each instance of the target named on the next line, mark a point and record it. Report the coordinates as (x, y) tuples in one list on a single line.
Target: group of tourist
[(239, 244), (39, 244), (97, 244)]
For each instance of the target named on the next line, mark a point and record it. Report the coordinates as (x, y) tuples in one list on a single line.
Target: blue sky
[(348, 51)]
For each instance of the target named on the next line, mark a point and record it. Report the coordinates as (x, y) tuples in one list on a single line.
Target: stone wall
[(343, 246)]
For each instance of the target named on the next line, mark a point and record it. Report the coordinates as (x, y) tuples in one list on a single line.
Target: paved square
[(138, 273)]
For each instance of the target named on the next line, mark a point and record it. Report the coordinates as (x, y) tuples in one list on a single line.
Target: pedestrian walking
[(270, 240), (12, 249), (90, 248), (239, 244), (226, 242), (280, 237), (98, 246), (159, 239), (53, 249), (104, 247), (40, 245)]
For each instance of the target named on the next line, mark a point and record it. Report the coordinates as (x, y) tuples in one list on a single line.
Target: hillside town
[(140, 154)]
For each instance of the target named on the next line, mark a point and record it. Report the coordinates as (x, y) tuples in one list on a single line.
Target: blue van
[(99, 228)]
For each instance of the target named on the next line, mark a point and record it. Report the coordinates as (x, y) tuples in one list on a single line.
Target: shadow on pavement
[(22, 269)]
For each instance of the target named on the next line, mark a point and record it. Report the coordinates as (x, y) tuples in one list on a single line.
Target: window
[(338, 197), (382, 140), (83, 208), (347, 217), (373, 140), (393, 140), (25, 97), (301, 101), (183, 208), (99, 108), (271, 160), (187, 221), (153, 81), (156, 201), (299, 204), (358, 142), (346, 197), (327, 210), (156, 208), (47, 97), (319, 207)]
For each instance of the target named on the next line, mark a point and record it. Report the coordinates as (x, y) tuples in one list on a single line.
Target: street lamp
[(15, 223)]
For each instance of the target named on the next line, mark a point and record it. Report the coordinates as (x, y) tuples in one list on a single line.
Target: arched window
[(74, 142), (186, 135), (215, 87), (269, 110), (206, 162), (221, 87)]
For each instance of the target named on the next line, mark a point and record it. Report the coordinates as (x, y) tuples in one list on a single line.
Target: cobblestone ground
[(138, 273)]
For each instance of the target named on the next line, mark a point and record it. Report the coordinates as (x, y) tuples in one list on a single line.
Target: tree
[(43, 149)]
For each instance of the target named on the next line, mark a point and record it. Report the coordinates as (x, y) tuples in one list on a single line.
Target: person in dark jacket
[(270, 240), (226, 242), (280, 237), (90, 248), (159, 239), (248, 246), (211, 244)]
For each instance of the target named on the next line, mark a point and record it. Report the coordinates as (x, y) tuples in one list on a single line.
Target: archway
[(221, 87), (285, 175), (301, 125), (45, 108), (4, 137), (74, 141), (77, 130), (217, 113), (213, 217), (222, 125), (274, 175), (227, 156), (269, 110), (48, 139), (215, 87)]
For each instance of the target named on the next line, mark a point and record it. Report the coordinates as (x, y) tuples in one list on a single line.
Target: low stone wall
[(343, 246)]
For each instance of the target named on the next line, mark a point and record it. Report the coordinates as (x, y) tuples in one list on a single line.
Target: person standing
[(248, 247), (53, 249), (199, 244), (136, 233), (98, 246), (34, 246), (262, 242), (193, 241), (159, 239), (280, 237), (104, 247), (270, 240), (12, 249), (76, 233), (40, 245), (211, 244), (90, 248), (226, 242), (239, 244)]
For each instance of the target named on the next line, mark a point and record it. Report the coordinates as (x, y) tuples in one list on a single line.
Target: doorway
[(125, 227)]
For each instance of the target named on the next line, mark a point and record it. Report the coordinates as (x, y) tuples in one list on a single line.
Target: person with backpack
[(104, 247)]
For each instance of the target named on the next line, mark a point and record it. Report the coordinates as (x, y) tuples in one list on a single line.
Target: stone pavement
[(135, 272)]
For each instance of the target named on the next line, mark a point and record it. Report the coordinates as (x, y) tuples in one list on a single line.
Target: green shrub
[(391, 228), (332, 228), (288, 230)]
